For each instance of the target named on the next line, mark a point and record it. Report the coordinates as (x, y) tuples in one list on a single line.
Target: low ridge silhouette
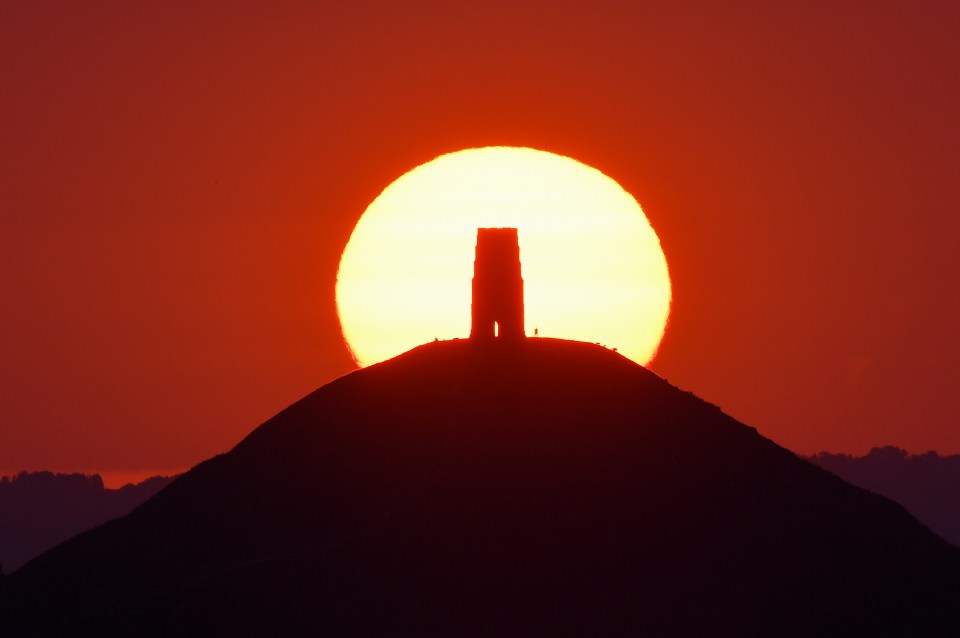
[(927, 485), (529, 488), (41, 509)]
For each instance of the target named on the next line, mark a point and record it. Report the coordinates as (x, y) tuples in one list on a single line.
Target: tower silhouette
[(497, 309)]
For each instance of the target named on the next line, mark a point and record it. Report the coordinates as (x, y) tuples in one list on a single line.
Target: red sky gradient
[(177, 183)]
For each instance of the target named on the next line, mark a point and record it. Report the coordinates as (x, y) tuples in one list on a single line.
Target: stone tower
[(497, 286)]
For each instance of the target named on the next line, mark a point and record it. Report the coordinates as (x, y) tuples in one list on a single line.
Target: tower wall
[(497, 285)]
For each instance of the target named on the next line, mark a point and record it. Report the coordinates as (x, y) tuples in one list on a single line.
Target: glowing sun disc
[(592, 265)]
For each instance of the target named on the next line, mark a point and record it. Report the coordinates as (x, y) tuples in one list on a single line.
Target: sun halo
[(592, 265)]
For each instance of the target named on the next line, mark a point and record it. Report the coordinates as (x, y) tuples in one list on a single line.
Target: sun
[(592, 265)]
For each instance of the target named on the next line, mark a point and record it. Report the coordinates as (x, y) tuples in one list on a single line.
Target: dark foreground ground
[(546, 488)]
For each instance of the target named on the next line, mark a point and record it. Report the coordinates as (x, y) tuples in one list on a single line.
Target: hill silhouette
[(41, 509), (546, 488), (927, 485)]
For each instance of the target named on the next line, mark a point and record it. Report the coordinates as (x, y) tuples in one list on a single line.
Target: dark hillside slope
[(549, 488)]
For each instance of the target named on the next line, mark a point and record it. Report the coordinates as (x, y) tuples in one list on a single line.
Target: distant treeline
[(927, 485), (39, 510)]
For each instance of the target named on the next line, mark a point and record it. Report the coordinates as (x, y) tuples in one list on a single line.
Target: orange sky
[(177, 183)]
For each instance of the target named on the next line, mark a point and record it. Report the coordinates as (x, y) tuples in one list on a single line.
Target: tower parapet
[(497, 310)]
